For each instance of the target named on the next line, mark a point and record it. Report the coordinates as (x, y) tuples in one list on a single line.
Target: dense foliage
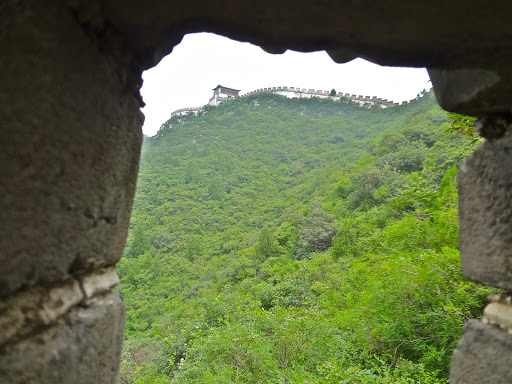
[(283, 240)]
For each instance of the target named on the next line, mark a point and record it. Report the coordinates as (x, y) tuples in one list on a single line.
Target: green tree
[(216, 189), (212, 298), (192, 173), (194, 248), (140, 242), (267, 245), (316, 230), (463, 124), (344, 243)]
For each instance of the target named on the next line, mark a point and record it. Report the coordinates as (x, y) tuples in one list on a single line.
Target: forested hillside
[(280, 240)]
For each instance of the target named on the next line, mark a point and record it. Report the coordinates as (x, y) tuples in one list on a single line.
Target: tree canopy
[(280, 240)]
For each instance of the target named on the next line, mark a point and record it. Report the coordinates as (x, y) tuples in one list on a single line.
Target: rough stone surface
[(388, 32), (30, 310), (499, 314), (485, 211), (482, 356), (70, 139), (84, 348), (470, 91), (70, 73), (99, 282), (494, 127)]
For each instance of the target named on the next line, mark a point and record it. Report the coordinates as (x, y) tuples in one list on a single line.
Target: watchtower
[(221, 94)]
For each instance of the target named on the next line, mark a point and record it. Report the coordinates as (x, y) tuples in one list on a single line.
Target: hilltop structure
[(221, 94)]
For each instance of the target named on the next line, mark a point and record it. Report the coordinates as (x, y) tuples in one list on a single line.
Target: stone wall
[(484, 354), (187, 111), (71, 134), (70, 138), (292, 92)]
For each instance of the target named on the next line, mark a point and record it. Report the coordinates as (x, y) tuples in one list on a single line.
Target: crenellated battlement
[(293, 92), (186, 111)]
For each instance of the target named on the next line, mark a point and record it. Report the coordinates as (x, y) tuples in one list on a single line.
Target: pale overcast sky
[(187, 76)]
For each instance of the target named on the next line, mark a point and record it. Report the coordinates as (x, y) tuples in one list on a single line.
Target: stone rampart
[(186, 111), (71, 72), (304, 92), (292, 92)]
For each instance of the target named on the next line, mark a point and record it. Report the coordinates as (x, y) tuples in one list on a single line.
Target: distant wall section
[(299, 93), (292, 92)]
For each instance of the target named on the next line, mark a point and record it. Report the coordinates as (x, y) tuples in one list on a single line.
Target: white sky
[(186, 77)]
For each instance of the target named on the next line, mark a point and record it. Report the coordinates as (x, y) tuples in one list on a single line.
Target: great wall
[(71, 141), (292, 92)]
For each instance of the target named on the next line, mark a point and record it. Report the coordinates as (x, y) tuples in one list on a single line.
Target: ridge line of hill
[(294, 92)]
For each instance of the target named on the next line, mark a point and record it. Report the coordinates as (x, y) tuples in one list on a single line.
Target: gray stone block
[(482, 356), (70, 139), (82, 348), (469, 90), (485, 209)]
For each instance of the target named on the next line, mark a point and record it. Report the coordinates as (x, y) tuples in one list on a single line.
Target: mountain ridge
[(295, 92), (269, 222)]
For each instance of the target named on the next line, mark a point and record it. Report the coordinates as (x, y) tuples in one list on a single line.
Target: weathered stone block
[(29, 311), (469, 90), (482, 356), (70, 139), (485, 205), (82, 348)]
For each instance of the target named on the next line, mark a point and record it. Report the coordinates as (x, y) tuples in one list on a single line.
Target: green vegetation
[(283, 240)]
